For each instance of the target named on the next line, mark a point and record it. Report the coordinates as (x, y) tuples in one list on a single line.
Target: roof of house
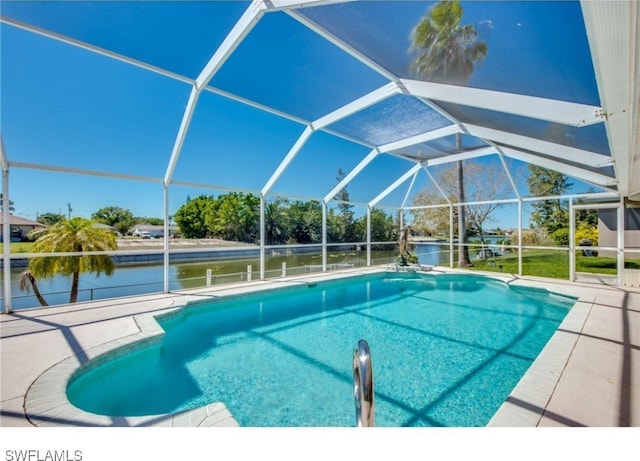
[(18, 221), (100, 225), (151, 227)]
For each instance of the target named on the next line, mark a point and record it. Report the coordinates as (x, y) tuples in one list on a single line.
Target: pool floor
[(447, 350)]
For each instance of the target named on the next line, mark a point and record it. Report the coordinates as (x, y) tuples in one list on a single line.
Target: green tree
[(120, 218), (49, 219), (383, 227), (588, 217), (236, 217), (343, 222), (553, 214), (148, 220), (69, 235), (191, 217), (305, 222), (276, 222), (335, 231), (447, 52)]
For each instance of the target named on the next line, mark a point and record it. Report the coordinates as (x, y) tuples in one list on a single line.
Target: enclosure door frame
[(619, 248)]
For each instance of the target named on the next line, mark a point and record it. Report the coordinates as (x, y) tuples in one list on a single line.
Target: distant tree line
[(121, 219), (236, 216)]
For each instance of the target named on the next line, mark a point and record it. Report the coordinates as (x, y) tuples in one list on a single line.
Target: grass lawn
[(553, 264), (18, 247)]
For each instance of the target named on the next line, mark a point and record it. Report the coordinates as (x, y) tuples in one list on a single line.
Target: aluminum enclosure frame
[(618, 89)]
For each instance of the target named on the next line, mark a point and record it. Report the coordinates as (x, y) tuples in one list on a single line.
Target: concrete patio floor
[(588, 375)]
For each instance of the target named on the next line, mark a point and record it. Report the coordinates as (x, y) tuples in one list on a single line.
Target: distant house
[(106, 227), (154, 231), (20, 227), (608, 231)]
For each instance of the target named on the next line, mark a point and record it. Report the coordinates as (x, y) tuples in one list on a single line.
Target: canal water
[(145, 279)]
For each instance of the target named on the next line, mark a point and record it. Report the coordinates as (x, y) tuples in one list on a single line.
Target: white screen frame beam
[(598, 179), (395, 185), (551, 149), (286, 161), (613, 31), (563, 112), (474, 153)]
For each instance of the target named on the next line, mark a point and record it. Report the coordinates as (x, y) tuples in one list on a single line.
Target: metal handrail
[(363, 385)]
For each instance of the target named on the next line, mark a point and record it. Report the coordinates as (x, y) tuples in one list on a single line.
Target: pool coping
[(46, 402), (526, 404)]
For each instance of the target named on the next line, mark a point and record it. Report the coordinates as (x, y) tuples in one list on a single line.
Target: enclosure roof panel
[(533, 48), (178, 38), (551, 83)]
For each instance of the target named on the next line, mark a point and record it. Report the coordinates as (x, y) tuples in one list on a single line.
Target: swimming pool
[(447, 350)]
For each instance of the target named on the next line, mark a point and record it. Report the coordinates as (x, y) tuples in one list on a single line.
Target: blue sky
[(65, 106)]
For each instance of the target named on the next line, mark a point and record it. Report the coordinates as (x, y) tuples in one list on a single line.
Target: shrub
[(583, 232), (561, 237), (587, 232)]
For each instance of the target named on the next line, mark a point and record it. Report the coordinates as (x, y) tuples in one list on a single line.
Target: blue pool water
[(446, 350)]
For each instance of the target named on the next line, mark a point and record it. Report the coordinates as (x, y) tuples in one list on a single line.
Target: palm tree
[(448, 53), (69, 235), (463, 251), (276, 222), (11, 206), (28, 281)]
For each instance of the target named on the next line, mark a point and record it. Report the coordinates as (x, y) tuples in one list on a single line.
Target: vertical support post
[(324, 236), (368, 236), (165, 251), (621, 215), (451, 258), (284, 268), (262, 237), (249, 269), (6, 239), (520, 237), (209, 273), (572, 242)]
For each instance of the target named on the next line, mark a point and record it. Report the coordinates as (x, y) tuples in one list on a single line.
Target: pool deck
[(587, 375)]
